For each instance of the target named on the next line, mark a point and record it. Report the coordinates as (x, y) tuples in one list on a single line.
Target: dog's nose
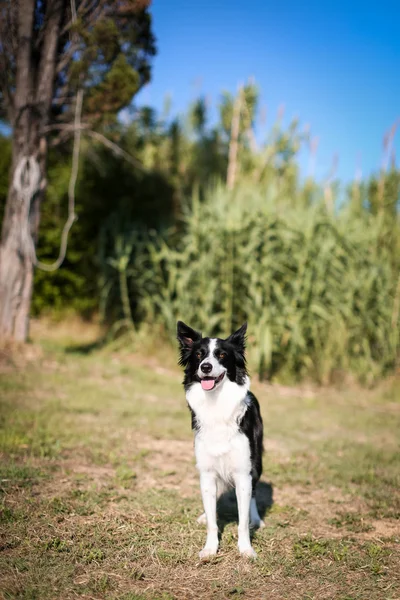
[(206, 368)]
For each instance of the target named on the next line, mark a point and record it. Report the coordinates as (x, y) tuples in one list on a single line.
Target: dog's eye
[(198, 355), (221, 355)]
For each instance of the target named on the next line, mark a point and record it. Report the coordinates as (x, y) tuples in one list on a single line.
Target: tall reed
[(319, 289)]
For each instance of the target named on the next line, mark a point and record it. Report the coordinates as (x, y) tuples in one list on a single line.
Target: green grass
[(99, 493)]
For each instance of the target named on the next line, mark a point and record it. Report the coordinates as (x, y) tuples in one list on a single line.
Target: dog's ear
[(238, 338), (186, 335)]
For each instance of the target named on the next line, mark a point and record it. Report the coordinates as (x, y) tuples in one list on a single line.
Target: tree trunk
[(19, 233), (33, 96)]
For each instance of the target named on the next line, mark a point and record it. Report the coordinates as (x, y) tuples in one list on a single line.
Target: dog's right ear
[(186, 338), (186, 335)]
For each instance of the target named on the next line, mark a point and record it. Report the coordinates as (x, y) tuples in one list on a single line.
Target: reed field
[(320, 289)]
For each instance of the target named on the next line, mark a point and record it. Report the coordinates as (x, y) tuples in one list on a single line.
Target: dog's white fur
[(223, 453)]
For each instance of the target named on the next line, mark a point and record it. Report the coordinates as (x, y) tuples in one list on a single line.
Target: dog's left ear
[(239, 337)]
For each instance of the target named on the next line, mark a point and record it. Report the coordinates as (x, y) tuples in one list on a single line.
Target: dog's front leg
[(243, 495), (208, 485)]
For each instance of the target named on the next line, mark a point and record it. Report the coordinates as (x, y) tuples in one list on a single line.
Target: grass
[(99, 494)]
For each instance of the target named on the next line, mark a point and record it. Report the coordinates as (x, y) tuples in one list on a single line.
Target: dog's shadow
[(227, 510)]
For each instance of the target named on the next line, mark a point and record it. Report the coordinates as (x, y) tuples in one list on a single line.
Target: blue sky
[(336, 65)]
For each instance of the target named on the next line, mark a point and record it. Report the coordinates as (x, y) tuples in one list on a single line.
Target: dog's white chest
[(225, 457), (218, 439), (219, 444)]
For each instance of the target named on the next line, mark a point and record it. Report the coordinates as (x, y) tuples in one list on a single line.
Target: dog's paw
[(208, 551), (202, 519), (257, 524), (248, 552)]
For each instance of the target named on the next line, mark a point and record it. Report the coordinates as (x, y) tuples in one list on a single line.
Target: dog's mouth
[(209, 383)]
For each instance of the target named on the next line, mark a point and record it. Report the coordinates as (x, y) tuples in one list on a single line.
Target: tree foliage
[(105, 50)]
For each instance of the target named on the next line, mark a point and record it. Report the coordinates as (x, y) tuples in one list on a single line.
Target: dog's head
[(209, 361)]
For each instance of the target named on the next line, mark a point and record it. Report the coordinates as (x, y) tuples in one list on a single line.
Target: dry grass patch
[(99, 493)]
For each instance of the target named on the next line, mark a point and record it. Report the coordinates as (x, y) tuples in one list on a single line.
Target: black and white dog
[(228, 428)]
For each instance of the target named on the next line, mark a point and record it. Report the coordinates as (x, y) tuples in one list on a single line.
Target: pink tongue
[(207, 384)]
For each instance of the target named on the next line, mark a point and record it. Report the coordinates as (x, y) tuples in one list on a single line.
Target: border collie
[(228, 428)]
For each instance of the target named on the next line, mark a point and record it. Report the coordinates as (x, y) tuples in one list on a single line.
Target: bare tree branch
[(84, 127), (71, 193), (72, 182), (81, 12), (53, 19), (117, 150), (66, 58)]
